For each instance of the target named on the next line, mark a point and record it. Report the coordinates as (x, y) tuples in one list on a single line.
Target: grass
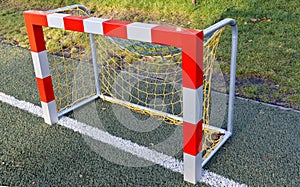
[(268, 32), (268, 59), (34, 153)]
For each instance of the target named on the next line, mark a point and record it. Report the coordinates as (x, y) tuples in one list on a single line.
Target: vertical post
[(95, 65), (234, 45), (192, 80), (191, 43), (34, 28)]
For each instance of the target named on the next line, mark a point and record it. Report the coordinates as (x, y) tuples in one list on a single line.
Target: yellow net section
[(141, 76), (70, 63), (211, 138)]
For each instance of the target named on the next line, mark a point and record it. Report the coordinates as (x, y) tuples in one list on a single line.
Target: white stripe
[(56, 20), (269, 104), (192, 104), (262, 103), (40, 64), (29, 107), (140, 31), (49, 112), (125, 145), (192, 167), (94, 25)]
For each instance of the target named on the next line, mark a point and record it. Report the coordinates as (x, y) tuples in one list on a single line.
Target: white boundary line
[(122, 144), (268, 104), (262, 103)]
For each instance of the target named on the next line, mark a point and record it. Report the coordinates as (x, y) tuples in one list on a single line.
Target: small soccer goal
[(155, 70)]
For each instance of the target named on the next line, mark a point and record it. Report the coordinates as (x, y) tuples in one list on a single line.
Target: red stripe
[(45, 89), (74, 23), (192, 61), (173, 36), (192, 138), (36, 18), (192, 72), (167, 36), (34, 21), (115, 28), (191, 43)]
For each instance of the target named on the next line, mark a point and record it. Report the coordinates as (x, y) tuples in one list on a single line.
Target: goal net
[(144, 77), (147, 78)]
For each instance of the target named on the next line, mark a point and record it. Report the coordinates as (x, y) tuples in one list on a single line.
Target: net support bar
[(142, 108), (77, 105), (224, 139), (71, 7), (234, 45), (95, 65)]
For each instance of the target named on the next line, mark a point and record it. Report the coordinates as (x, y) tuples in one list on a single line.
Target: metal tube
[(76, 6), (122, 102), (214, 128), (95, 65), (234, 44), (224, 139), (77, 105), (219, 25)]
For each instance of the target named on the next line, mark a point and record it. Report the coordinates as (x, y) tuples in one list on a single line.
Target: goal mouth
[(144, 77), (150, 78), (147, 79)]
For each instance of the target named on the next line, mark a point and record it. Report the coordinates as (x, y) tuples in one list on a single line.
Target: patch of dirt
[(266, 91)]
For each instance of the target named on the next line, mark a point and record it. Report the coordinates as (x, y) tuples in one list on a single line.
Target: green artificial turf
[(263, 151), (33, 153), (264, 148)]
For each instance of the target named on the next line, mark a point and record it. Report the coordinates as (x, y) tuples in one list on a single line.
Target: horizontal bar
[(77, 105), (224, 139), (219, 25), (215, 128), (111, 99), (118, 101), (71, 7)]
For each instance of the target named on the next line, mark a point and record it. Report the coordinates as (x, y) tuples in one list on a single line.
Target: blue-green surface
[(263, 151)]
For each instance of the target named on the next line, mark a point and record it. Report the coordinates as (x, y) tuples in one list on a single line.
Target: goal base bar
[(77, 105), (142, 108), (225, 137)]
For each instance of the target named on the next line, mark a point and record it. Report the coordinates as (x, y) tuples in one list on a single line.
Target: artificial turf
[(264, 149)]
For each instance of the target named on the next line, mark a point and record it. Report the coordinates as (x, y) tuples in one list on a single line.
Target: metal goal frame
[(191, 42)]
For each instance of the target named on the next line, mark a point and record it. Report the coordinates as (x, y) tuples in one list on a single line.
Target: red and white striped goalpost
[(189, 40)]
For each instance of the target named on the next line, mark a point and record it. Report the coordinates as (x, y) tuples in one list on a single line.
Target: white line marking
[(29, 107), (262, 103), (268, 104), (125, 145)]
